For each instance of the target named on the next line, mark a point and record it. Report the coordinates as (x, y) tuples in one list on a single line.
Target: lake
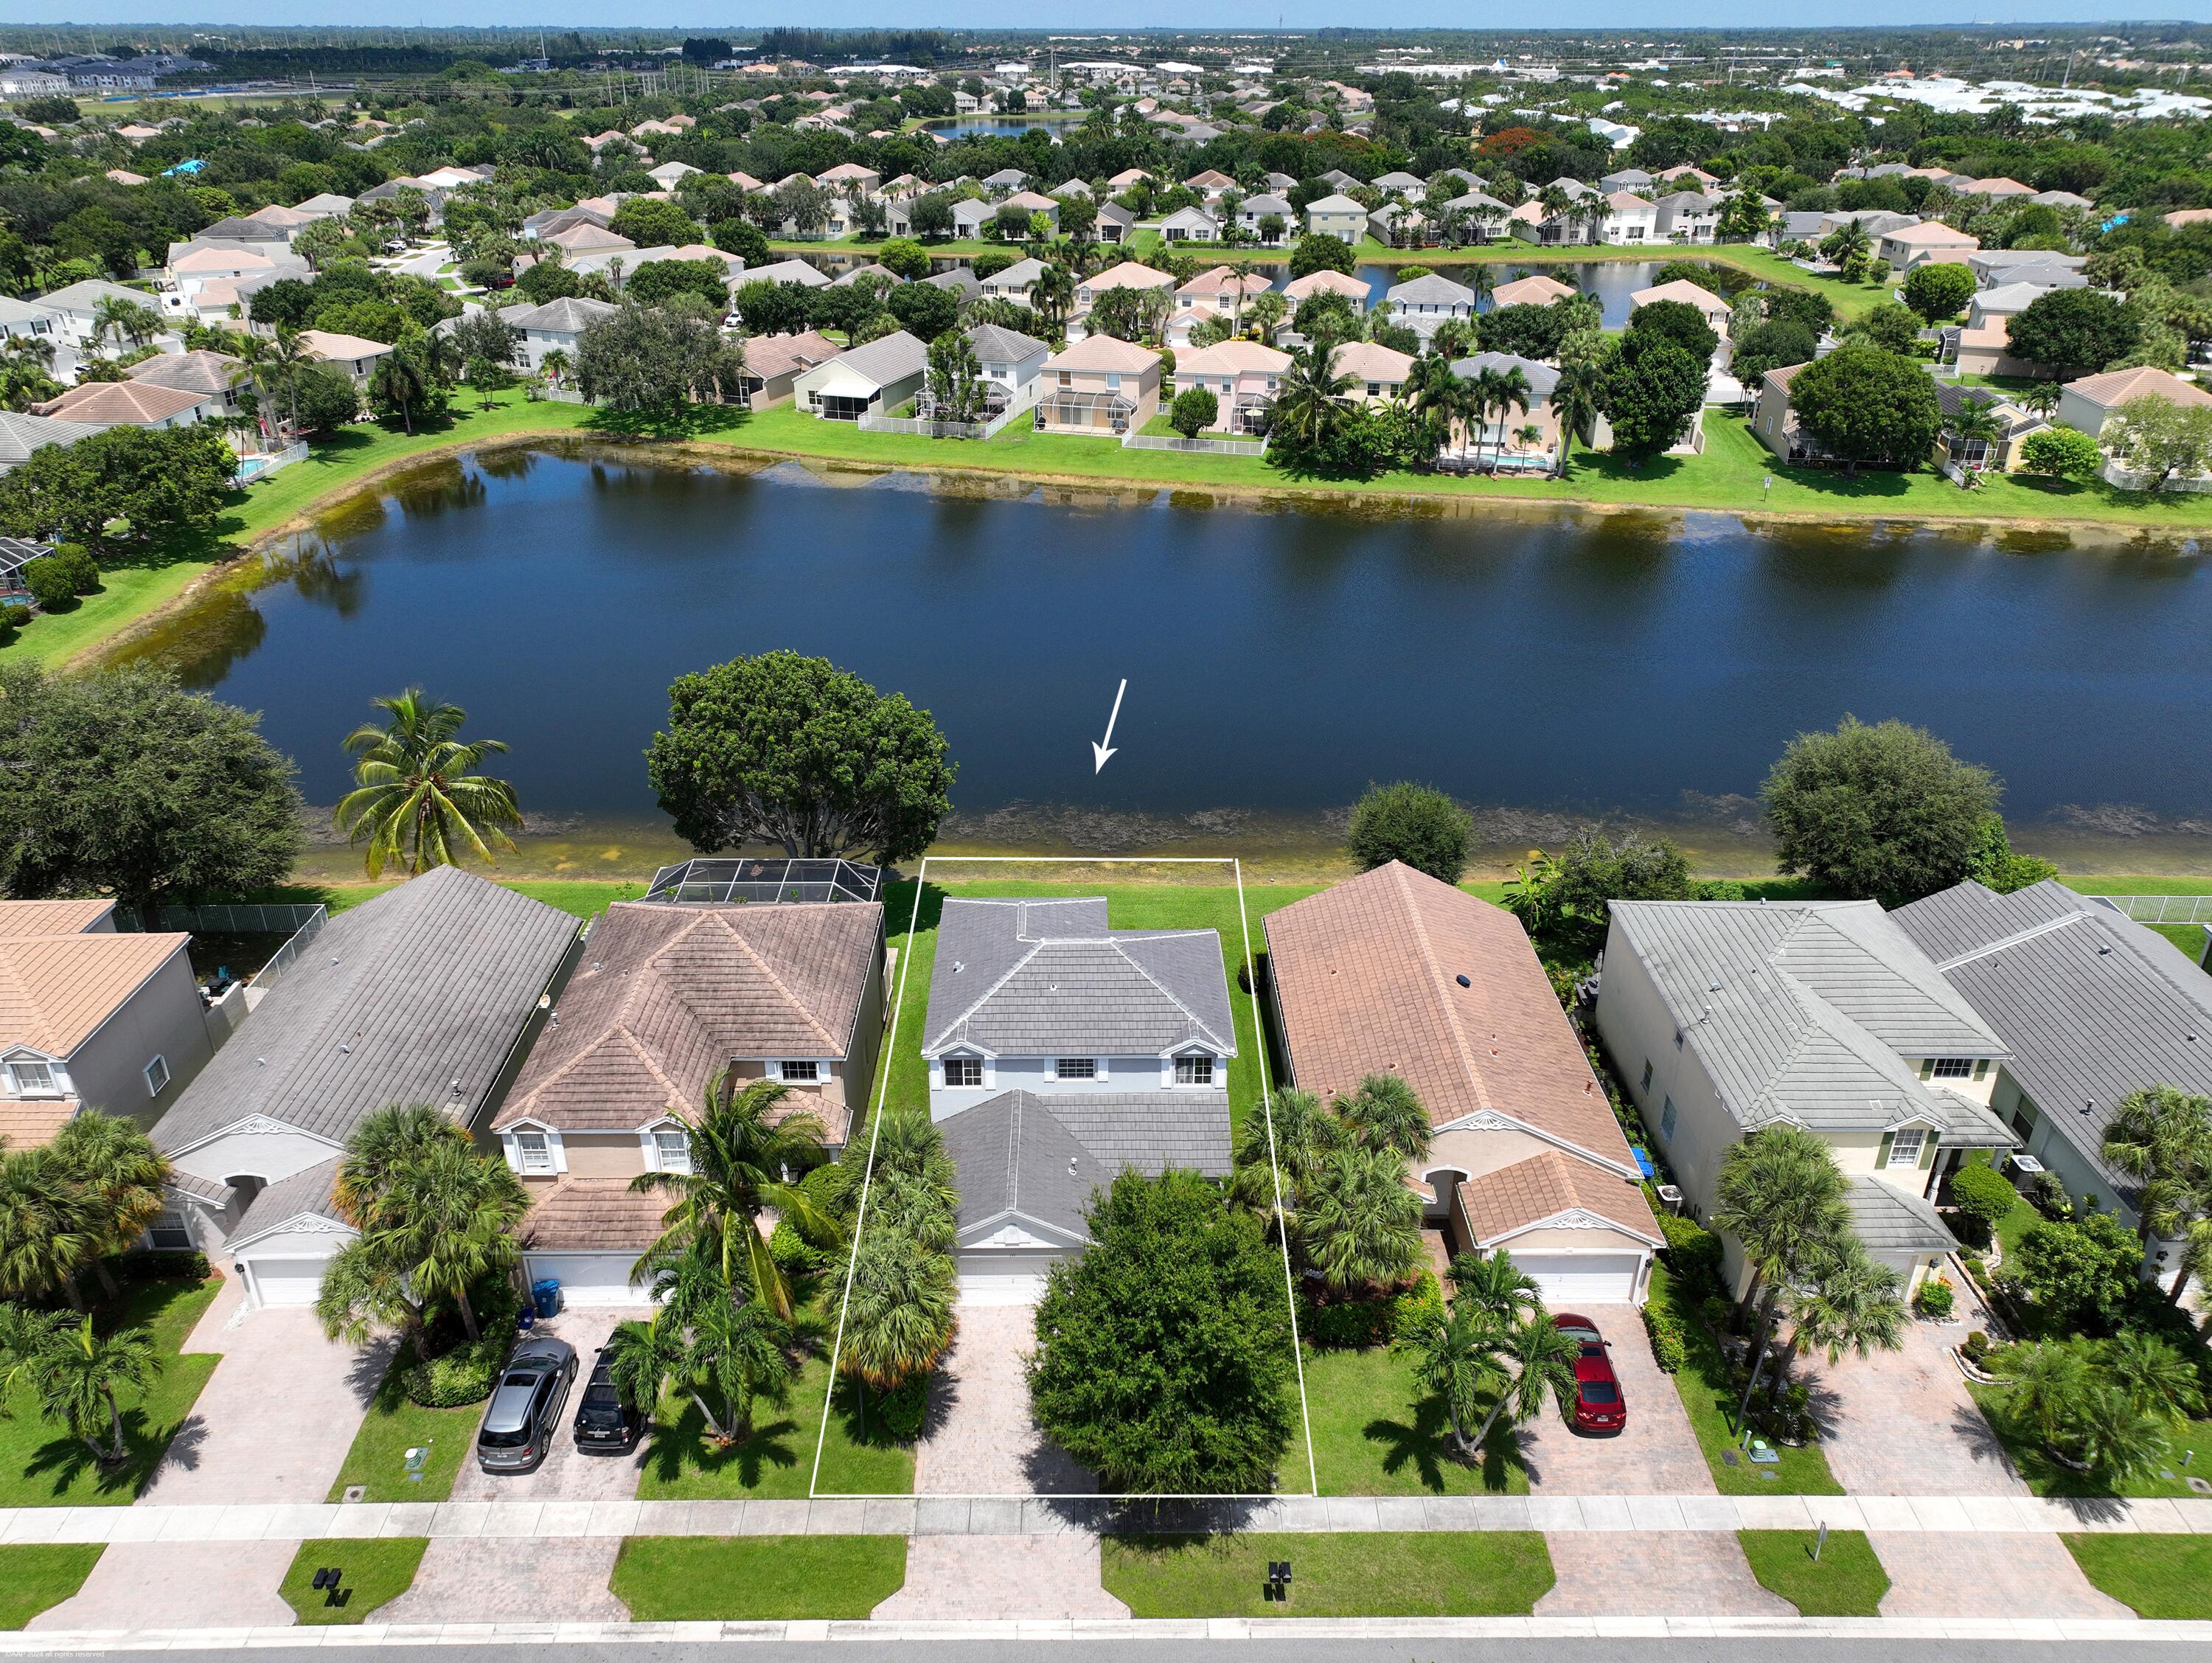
[(1545, 663)]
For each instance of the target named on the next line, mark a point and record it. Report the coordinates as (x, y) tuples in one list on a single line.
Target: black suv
[(605, 1425)]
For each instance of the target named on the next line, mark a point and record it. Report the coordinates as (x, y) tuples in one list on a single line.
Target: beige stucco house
[(1100, 384)]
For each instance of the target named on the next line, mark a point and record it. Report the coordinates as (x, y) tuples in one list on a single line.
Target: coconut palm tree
[(419, 797), (384, 1141), (898, 1315), (365, 1292), (1454, 1355), (117, 1175), (1314, 400), (1542, 1357), (1438, 397), (1849, 1304), (1502, 391), (1976, 423), (555, 365), (1385, 1113), (45, 1238), (449, 1217), (1358, 1223), (1781, 1195), (77, 1374), (285, 355), (1574, 402), (740, 1354), (2042, 398), (117, 320), (2161, 1138), (741, 1150), (1482, 278), (1494, 1285)]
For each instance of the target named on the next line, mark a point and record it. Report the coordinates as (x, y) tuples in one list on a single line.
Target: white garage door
[(588, 1279), (1567, 1280), (988, 1278), (286, 1281)]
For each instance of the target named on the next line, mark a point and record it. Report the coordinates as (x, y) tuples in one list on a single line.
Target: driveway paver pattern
[(978, 1439), (1656, 1573), (275, 1420), (179, 1584), (1656, 1453), (1993, 1575), (565, 1474), (951, 1578), (512, 1580), (1903, 1423)]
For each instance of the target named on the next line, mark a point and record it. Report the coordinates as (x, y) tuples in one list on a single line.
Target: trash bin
[(546, 1296)]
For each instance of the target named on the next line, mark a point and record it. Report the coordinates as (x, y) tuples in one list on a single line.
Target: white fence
[(251, 468), (2160, 909), (1133, 440), (871, 422), (2123, 479)]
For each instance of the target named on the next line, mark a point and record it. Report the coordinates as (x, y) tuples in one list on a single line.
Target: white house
[(1190, 225), (872, 380), (1423, 303), (1012, 365), (1629, 219), (555, 326), (1015, 282)]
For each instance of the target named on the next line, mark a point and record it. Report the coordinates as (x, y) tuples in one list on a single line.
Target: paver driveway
[(1654, 1454), (276, 1418), (512, 1580), (1902, 1423), (179, 1584), (1654, 1573), (1993, 1574), (978, 1578), (980, 1439), (565, 1474)]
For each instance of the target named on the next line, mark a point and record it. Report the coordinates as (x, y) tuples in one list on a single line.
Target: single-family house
[(667, 997), (774, 363), (1127, 275), (1687, 177), (1153, 1018), (2001, 188), (1115, 223), (1012, 365), (1015, 282), (555, 326), (218, 375), (2090, 1008), (1399, 183), (1378, 372), (27, 320), (1998, 454), (1267, 219), (1776, 423), (1210, 184), (1423, 303), (1336, 215), (2089, 403), (669, 174), (1626, 178), (23, 433), (550, 222), (130, 404), (1995, 267), (849, 176), (1908, 245), (427, 994), (1337, 180), (971, 215), (1127, 177), (1243, 376), (1474, 216), (1629, 219), (1005, 181), (95, 1018), (1723, 1017), (1396, 973), (1221, 292), (588, 236), (1509, 438), (1688, 216), (1099, 386), (1190, 225), (1030, 202), (1535, 290), (960, 280), (1398, 224), (1328, 282), (355, 354), (874, 378), (790, 270), (873, 269)]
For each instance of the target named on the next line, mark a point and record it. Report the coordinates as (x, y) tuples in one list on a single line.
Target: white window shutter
[(648, 1150), (560, 1152), (1105, 1074)]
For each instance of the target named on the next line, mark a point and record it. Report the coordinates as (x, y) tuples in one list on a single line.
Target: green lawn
[(1375, 1432), (41, 1465), (740, 1579), (1710, 1403), (376, 1571), (36, 1577), (392, 1427), (777, 1461), (1847, 1580), (2047, 1477), (1377, 1573), (2165, 1578)]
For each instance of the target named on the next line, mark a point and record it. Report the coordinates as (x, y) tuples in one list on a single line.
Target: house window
[(1075, 1068), (1666, 1120), (1646, 1085), (963, 1070), (170, 1234), (1194, 1070), (1947, 1067), (671, 1151), (801, 1073), (32, 1080), (537, 1153), (157, 1076), (1904, 1148)]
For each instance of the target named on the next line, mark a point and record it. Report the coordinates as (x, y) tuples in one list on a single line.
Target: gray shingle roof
[(22, 434), (429, 983), (1040, 1158), (1430, 290), (304, 1192), (1041, 979), (1887, 1220), (2091, 1005), (887, 358), (995, 345), (1542, 377), (568, 316), (1807, 1010)]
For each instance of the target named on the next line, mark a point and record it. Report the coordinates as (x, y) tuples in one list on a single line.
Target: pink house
[(1243, 376)]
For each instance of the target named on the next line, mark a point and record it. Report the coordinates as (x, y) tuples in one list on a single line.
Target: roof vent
[(345, 1050), (1071, 1166), (1712, 986), (260, 1061), (957, 967), (1463, 982)]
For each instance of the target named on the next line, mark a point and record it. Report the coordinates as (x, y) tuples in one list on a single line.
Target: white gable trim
[(980, 1232), (1574, 1218), (304, 1224), (258, 1126), (1493, 1120)]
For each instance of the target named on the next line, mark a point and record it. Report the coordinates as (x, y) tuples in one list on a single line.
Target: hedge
[(1669, 1343), (1693, 1254), (1360, 1324)]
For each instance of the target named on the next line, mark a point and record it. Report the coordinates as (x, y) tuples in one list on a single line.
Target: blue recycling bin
[(546, 1296)]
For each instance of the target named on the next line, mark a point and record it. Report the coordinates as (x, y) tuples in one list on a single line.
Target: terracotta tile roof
[(19, 918), (1535, 290), (1370, 362), (666, 996), (2116, 387), (1545, 1186), (594, 1215), (1367, 975), (115, 404), (1335, 282), (55, 991), (770, 355), (1232, 358), (31, 1123)]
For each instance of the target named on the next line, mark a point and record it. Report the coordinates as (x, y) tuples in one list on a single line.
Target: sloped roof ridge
[(957, 1023), (1419, 926), (746, 947), (1198, 1027)]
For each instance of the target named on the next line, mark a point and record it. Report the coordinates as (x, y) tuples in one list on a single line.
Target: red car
[(1599, 1406)]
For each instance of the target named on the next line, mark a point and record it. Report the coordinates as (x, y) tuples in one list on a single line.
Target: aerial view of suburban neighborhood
[(1068, 829)]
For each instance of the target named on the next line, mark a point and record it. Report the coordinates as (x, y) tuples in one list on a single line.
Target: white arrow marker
[(1105, 748)]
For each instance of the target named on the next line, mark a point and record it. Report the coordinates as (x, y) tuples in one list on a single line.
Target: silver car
[(525, 1411)]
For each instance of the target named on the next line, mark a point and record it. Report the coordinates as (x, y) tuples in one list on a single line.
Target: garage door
[(1003, 1278), (286, 1281), (588, 1279), (1567, 1280)]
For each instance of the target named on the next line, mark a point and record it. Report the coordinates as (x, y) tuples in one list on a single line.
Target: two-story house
[(1723, 1017), (1336, 215), (1222, 292), (1243, 376), (1099, 386)]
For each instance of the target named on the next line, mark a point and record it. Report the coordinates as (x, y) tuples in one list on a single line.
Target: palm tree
[(401, 381), (1850, 1304), (556, 364), (1358, 1223), (1781, 1195), (898, 1316), (1314, 401), (2161, 1138), (1554, 202), (1494, 1285), (1543, 1356), (2042, 398), (1294, 1136), (1974, 424), (449, 1217), (740, 1353), (2152, 1375), (25, 1337), (384, 1141), (1574, 402), (1501, 390), (418, 794), (1454, 1356), (640, 1358), (118, 320), (2048, 1379), (740, 1151), (1384, 1113), (117, 1175), (365, 1292), (285, 355), (1052, 293), (44, 1238), (1482, 278), (1438, 397), (77, 1374)]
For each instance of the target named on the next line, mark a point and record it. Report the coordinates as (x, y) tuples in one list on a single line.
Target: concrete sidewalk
[(1047, 1516)]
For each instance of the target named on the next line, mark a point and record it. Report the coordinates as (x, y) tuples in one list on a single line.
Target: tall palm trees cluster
[(436, 1218), (1345, 1207), (1495, 1342), (2109, 1406), (2161, 1138)]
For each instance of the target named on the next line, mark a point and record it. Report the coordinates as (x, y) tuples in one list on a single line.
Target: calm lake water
[(1278, 658)]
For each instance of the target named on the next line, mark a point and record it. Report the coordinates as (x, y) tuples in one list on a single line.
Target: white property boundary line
[(882, 1093)]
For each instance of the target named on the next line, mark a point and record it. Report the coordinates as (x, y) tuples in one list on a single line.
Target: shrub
[(1693, 1254), (1935, 1297), (14, 614), (462, 1376), (2063, 452), (1360, 1324), (902, 1410), (1669, 1349), (51, 583), (2050, 1197), (159, 1266), (1194, 410), (77, 561), (1415, 824), (1976, 1347), (790, 1251), (1717, 1313), (1984, 1195)]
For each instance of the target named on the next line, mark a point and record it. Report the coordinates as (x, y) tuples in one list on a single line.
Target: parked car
[(524, 1416), (605, 1425), (1599, 1405)]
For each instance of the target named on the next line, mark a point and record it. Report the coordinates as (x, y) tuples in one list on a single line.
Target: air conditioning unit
[(1670, 1197)]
